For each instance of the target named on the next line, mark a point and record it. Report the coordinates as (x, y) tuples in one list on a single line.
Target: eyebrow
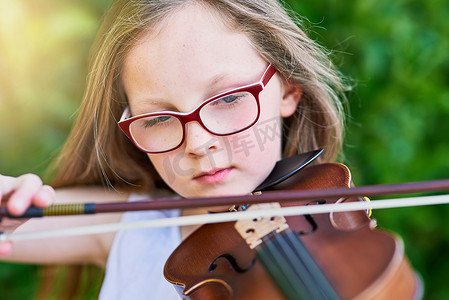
[(223, 82), (212, 83), (142, 107), (217, 78)]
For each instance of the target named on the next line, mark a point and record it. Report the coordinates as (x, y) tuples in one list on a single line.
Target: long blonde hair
[(97, 152)]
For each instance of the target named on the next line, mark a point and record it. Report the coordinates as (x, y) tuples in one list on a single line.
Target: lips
[(213, 176)]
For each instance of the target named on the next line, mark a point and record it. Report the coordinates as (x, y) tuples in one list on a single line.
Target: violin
[(327, 247), (323, 256)]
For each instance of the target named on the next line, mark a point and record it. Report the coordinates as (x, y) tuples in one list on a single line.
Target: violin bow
[(266, 197), (228, 217)]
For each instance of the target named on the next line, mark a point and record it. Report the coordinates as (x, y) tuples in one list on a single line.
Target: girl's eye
[(156, 121), (230, 99)]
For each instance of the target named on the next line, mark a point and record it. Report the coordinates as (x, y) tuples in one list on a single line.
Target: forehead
[(188, 46)]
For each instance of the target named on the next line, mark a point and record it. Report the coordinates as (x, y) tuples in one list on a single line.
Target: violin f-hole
[(310, 220), (232, 261)]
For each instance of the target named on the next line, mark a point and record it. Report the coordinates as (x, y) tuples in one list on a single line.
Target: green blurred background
[(395, 52)]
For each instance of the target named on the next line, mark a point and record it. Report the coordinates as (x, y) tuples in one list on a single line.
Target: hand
[(19, 193)]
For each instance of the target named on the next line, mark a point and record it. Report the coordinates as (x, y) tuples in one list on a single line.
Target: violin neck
[(291, 267)]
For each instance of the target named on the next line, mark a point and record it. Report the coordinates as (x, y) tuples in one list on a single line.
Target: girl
[(209, 94)]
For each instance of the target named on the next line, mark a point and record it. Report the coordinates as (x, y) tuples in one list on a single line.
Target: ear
[(292, 94)]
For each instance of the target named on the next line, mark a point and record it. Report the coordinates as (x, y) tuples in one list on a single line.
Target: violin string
[(275, 262), (298, 262), (294, 270), (299, 253), (297, 259), (227, 217), (293, 259)]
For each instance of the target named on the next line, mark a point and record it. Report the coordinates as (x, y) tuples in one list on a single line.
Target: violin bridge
[(253, 230)]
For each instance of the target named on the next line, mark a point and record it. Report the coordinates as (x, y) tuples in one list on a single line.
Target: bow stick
[(265, 197), (227, 217)]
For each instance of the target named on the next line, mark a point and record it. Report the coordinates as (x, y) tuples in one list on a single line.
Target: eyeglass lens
[(226, 115)]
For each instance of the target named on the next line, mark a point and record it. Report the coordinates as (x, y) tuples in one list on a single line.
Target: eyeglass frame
[(255, 89)]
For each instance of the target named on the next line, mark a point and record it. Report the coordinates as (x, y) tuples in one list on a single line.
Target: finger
[(26, 187), (5, 248), (44, 197), (6, 185)]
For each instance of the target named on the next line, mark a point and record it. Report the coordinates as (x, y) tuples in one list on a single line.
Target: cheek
[(267, 132), (255, 157), (259, 144), (170, 166), (270, 101), (158, 162)]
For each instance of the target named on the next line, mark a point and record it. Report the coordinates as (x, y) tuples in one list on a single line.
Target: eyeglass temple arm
[(125, 114), (269, 72)]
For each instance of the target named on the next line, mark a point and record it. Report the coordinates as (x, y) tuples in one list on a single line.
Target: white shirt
[(135, 264)]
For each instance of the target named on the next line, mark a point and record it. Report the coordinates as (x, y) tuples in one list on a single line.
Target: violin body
[(359, 261)]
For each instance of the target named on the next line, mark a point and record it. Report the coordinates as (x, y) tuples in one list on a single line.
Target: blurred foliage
[(44, 48), (395, 52)]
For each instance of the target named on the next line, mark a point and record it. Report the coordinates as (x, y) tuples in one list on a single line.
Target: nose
[(198, 141)]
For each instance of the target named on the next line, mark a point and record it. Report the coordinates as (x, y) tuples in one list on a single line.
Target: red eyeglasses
[(224, 114)]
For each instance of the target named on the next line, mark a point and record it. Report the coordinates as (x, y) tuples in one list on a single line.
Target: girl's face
[(192, 57)]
